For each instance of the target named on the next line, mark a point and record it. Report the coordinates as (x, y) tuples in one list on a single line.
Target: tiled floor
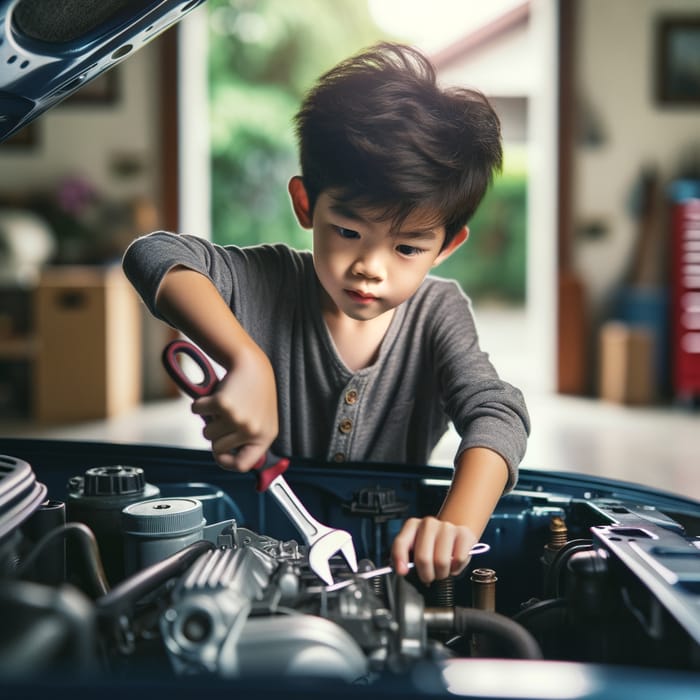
[(655, 446)]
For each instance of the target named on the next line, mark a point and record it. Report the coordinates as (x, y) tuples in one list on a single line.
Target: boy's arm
[(441, 545), (241, 414)]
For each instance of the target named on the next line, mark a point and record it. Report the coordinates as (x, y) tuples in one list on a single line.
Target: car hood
[(50, 49)]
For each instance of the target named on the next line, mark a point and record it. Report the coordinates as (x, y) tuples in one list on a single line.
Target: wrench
[(323, 542)]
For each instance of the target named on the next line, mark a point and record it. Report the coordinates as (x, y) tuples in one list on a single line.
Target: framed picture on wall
[(678, 60)]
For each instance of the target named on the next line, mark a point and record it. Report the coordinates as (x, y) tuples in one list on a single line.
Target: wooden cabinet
[(83, 348)]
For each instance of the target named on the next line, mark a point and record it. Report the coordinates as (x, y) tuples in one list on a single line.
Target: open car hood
[(50, 49)]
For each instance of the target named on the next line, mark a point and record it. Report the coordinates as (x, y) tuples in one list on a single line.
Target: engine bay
[(135, 568)]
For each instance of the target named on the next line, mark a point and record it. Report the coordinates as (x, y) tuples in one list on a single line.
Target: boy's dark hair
[(380, 132)]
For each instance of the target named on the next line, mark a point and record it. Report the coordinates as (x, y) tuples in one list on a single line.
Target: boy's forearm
[(478, 483), (191, 303), (241, 413)]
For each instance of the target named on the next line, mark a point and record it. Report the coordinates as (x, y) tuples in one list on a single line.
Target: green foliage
[(264, 55), (253, 157), (490, 265)]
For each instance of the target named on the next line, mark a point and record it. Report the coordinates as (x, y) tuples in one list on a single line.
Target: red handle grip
[(267, 469), (174, 368)]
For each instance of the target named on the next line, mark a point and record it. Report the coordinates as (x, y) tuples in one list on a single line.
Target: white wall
[(195, 166), (83, 139), (522, 63), (615, 69), (541, 341), (490, 68)]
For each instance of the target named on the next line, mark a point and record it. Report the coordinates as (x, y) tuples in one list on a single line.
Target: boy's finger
[(240, 459), (204, 406), (402, 546), (424, 549), (216, 429), (464, 541), (443, 550)]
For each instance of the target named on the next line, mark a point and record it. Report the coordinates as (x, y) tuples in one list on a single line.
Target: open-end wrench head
[(321, 552), (322, 569), (350, 556)]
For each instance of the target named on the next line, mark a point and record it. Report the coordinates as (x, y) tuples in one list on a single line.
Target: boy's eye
[(409, 250), (346, 232)]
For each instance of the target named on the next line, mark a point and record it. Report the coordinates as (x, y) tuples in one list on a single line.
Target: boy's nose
[(369, 267)]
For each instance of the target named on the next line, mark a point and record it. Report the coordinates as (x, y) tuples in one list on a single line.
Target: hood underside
[(50, 49)]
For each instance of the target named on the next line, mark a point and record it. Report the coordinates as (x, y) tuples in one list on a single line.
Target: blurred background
[(583, 263)]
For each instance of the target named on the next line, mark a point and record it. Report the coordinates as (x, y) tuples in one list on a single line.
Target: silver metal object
[(478, 548), (210, 625), (322, 540)]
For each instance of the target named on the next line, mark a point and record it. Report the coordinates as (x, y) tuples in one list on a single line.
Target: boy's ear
[(450, 248), (300, 201)]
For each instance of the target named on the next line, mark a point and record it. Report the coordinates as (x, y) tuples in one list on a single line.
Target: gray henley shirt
[(430, 369)]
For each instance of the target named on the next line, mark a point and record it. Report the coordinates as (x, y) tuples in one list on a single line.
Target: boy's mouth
[(360, 297)]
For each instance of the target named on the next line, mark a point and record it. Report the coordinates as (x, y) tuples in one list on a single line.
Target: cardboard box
[(88, 328), (627, 366)]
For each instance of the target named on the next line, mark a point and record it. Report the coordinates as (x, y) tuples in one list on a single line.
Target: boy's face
[(365, 266)]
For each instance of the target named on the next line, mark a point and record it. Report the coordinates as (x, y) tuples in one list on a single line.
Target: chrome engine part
[(252, 606)]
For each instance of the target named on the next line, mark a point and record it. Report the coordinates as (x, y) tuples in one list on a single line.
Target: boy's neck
[(357, 342)]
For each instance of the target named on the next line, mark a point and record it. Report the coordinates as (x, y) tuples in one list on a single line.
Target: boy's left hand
[(440, 548)]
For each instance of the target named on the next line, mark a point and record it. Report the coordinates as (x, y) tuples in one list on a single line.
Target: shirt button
[(338, 457), (351, 396), (345, 426)]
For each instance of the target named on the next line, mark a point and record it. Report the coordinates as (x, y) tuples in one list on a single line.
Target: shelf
[(19, 348), (70, 347)]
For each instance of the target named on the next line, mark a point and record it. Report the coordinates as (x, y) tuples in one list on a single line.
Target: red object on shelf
[(685, 296)]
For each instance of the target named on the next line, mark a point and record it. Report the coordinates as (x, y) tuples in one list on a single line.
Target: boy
[(352, 351)]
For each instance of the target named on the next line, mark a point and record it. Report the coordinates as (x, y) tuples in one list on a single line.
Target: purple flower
[(74, 195)]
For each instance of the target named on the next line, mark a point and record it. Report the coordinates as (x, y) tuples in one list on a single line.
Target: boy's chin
[(365, 314)]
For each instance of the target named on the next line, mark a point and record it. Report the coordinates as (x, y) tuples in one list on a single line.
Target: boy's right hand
[(241, 413)]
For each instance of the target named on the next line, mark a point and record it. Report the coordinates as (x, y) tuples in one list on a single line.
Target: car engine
[(125, 578)]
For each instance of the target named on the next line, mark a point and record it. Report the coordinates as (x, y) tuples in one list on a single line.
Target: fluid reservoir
[(156, 528), (97, 499)]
